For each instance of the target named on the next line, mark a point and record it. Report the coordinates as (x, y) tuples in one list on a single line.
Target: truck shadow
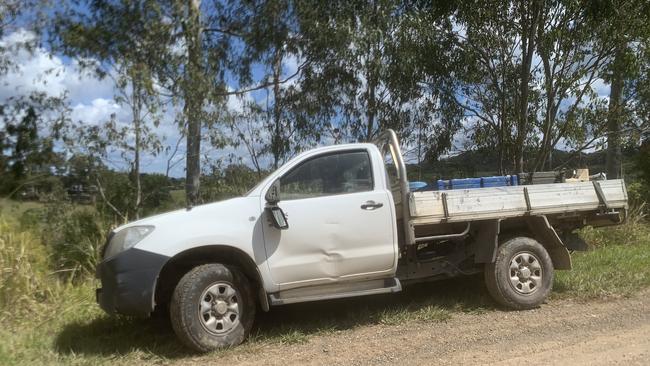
[(431, 302)]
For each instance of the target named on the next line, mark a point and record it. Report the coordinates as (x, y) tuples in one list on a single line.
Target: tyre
[(522, 275), (212, 307)]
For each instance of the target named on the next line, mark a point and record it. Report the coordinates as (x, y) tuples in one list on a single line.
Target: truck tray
[(499, 202)]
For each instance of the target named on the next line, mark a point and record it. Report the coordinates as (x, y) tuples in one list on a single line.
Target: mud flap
[(547, 235), (487, 239)]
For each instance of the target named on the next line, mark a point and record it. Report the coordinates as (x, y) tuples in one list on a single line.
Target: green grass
[(14, 209), (63, 325), (619, 264)]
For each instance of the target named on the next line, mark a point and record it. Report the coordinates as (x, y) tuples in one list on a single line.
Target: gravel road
[(603, 332)]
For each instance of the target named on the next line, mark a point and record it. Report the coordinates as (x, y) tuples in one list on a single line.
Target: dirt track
[(560, 332)]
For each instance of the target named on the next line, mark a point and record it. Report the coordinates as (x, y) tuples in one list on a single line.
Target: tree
[(571, 62), (271, 37), (30, 127), (127, 66), (528, 12), (489, 82), (30, 123), (185, 60), (622, 33)]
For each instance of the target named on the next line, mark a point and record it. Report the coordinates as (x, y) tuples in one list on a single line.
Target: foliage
[(28, 132), (74, 238), (643, 165), (232, 181)]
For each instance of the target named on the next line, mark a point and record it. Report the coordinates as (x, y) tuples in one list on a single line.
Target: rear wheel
[(212, 307), (522, 275)]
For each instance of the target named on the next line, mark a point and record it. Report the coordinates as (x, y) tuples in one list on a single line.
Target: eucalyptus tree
[(425, 62), (374, 65), (572, 61), (489, 82), (268, 62), (30, 121), (182, 47), (529, 81), (124, 58), (624, 27)]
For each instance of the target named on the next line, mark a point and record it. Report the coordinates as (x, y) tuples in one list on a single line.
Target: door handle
[(371, 205)]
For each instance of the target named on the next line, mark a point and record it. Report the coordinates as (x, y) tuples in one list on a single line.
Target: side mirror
[(272, 196), (278, 218)]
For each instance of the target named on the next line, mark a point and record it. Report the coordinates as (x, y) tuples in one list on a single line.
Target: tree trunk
[(529, 20), (136, 108), (371, 82), (550, 112), (276, 140), (370, 96), (193, 95), (614, 117), (502, 133)]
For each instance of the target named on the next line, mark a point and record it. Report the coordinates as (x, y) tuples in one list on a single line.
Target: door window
[(331, 174)]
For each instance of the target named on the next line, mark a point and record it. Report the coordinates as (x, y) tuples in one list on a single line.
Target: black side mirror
[(278, 218), (272, 196)]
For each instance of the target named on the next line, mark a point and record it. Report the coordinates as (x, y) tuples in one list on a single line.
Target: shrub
[(74, 238), (638, 194), (635, 230)]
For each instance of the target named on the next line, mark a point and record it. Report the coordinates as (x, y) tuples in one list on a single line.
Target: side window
[(331, 174)]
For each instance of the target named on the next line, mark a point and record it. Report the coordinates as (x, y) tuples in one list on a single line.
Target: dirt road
[(561, 332)]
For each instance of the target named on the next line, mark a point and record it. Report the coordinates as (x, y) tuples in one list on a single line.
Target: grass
[(63, 325), (14, 209), (619, 264)]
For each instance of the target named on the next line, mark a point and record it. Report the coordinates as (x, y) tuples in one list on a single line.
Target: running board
[(336, 291)]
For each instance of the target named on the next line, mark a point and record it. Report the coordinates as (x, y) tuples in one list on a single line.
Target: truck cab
[(336, 221)]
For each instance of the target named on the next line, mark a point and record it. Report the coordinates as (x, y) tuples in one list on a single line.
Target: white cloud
[(97, 111), (40, 71)]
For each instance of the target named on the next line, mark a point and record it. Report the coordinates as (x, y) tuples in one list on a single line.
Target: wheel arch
[(491, 233), (540, 229), (181, 263)]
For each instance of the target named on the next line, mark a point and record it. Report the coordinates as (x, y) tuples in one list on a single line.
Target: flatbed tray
[(427, 207)]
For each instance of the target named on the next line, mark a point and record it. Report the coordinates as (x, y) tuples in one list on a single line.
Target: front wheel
[(212, 307), (521, 276)]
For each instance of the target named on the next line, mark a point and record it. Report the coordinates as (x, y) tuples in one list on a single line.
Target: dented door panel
[(332, 238)]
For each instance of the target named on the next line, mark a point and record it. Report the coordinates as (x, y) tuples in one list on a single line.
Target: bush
[(638, 194), (635, 230), (74, 238)]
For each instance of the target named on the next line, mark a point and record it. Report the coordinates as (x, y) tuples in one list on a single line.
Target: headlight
[(127, 238)]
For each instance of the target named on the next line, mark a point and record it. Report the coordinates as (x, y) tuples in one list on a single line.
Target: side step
[(336, 291)]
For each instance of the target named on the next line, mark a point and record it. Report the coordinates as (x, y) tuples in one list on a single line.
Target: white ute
[(339, 221)]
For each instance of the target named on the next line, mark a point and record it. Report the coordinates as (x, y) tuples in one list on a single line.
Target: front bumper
[(129, 281)]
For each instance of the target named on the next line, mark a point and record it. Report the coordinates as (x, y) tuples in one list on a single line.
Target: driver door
[(341, 225)]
